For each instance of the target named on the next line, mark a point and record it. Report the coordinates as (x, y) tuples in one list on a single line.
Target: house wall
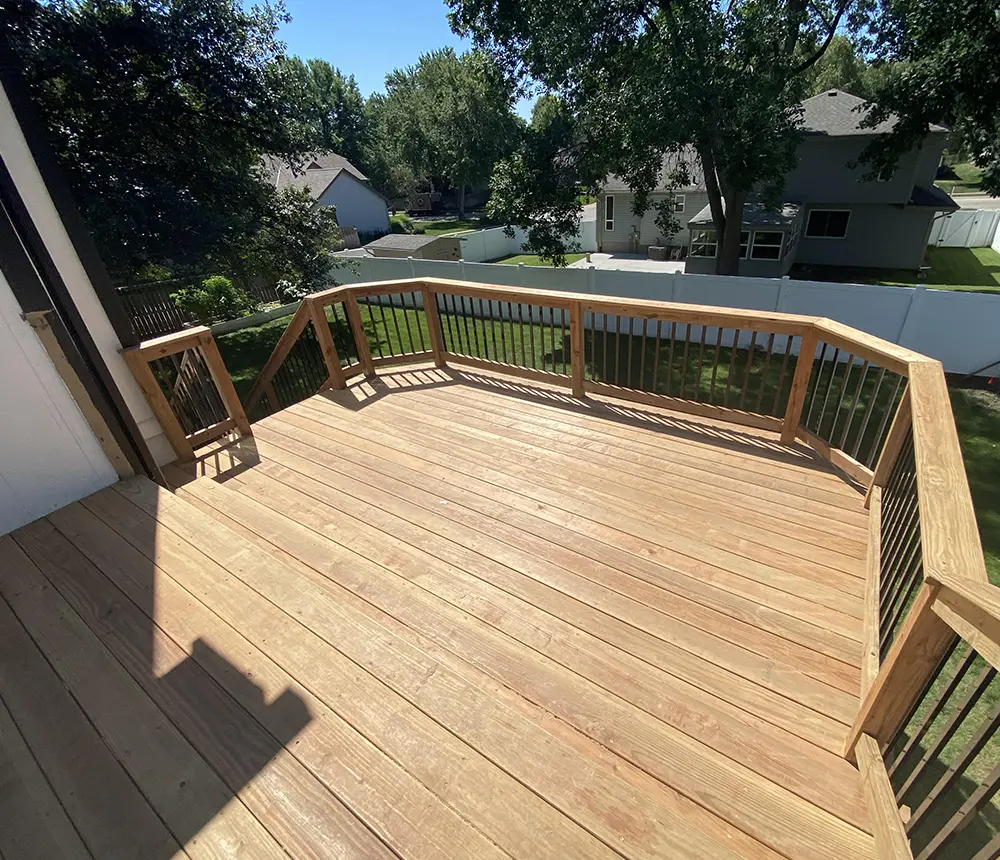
[(49, 456), (617, 240), (929, 159), (33, 192), (823, 174), (357, 204), (889, 237)]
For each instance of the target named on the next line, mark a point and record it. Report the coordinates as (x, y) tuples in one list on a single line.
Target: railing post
[(317, 312), (158, 403), (224, 383), (916, 653), (800, 385), (358, 331), (433, 324), (576, 347)]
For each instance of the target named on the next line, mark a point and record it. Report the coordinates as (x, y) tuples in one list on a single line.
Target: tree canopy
[(450, 116), (723, 81), (159, 111), (331, 105), (946, 54)]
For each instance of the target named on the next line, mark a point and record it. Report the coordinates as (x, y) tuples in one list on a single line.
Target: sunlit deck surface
[(443, 614)]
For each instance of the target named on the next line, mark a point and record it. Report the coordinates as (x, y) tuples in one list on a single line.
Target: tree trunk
[(727, 262), (461, 198)]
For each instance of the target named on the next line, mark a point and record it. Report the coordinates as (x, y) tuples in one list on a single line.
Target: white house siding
[(889, 237), (610, 241), (357, 204), (49, 225), (49, 456)]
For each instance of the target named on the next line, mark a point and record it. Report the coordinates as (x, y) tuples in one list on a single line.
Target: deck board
[(447, 614)]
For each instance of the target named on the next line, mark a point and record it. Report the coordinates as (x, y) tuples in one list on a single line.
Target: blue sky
[(369, 39)]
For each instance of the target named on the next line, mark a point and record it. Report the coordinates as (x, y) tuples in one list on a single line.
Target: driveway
[(629, 263), (976, 201)]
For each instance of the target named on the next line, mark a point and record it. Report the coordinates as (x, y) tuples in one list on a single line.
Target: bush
[(403, 224), (214, 300)]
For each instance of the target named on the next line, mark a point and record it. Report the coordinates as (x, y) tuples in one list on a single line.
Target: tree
[(647, 79), (946, 53), (160, 111), (291, 246), (332, 106), (453, 116), (547, 109)]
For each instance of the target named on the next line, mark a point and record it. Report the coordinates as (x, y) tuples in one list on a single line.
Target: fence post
[(317, 312), (358, 333), (433, 324), (576, 347), (800, 384)]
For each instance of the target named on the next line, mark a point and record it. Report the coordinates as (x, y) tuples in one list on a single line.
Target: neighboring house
[(619, 229), (333, 181), (829, 215), (417, 246)]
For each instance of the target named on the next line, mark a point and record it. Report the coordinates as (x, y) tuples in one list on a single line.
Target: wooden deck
[(443, 615)]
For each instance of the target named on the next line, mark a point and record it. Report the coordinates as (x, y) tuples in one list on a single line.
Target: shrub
[(402, 223), (213, 300)]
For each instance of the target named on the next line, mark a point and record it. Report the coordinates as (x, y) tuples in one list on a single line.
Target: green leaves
[(450, 116), (159, 111)]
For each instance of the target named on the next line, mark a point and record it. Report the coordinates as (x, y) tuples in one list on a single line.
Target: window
[(679, 203), (766, 245), (703, 243), (609, 213), (744, 243), (827, 223)]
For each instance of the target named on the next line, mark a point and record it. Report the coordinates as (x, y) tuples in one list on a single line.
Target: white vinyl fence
[(966, 228), (493, 243), (960, 329)]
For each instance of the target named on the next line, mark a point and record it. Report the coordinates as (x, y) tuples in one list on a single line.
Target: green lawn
[(970, 269), (534, 260), (967, 179), (977, 417), (452, 225)]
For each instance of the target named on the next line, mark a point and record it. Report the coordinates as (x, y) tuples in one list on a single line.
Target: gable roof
[(317, 173), (835, 113), (402, 241)]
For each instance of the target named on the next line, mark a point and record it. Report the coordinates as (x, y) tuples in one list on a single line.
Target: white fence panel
[(960, 329), (966, 228)]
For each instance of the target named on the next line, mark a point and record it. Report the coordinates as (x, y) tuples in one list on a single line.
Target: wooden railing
[(878, 412), (189, 389)]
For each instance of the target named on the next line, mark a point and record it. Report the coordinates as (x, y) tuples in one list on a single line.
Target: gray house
[(828, 215), (332, 180)]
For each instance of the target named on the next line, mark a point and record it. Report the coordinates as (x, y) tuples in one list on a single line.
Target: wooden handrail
[(949, 533), (139, 359)]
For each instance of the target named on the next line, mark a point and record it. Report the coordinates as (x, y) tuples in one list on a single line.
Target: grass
[(969, 269), (533, 260), (452, 225), (977, 417), (963, 178)]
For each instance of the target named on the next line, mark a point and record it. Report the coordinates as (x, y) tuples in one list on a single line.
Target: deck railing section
[(925, 735), (188, 388)]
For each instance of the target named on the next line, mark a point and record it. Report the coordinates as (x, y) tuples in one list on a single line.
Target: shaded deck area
[(443, 614)]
